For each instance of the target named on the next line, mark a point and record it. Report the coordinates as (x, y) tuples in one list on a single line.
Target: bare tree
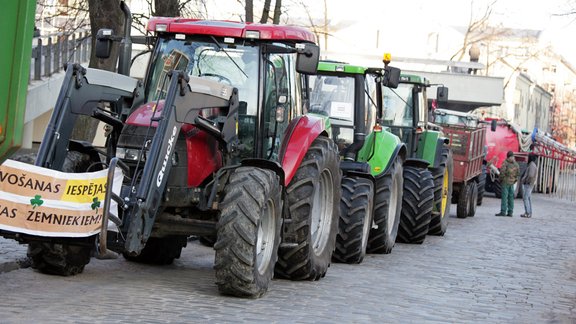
[(277, 12), (476, 30), (249, 6), (167, 8), (265, 12), (105, 14)]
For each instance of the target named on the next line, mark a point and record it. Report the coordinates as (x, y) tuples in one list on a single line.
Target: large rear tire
[(463, 205), (248, 232), (417, 204), (387, 209), (443, 177), (160, 250), (64, 259), (356, 207), (312, 213)]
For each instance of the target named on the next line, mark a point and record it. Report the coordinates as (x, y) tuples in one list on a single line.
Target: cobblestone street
[(485, 270)]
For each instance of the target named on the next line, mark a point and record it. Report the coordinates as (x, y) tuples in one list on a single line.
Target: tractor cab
[(405, 109), (265, 64), (346, 94)]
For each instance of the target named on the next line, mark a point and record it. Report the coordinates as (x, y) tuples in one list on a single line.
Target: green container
[(17, 26)]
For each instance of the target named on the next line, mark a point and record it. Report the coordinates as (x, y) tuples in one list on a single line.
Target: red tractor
[(214, 142)]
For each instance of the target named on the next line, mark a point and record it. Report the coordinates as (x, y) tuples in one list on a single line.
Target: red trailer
[(467, 137)]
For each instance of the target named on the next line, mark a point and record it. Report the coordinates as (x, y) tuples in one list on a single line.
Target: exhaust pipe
[(125, 54)]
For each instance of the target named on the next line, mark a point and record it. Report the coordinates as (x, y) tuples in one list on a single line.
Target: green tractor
[(371, 156), (428, 167), (17, 22)]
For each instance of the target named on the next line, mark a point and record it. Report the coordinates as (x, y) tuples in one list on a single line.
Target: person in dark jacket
[(528, 180), (509, 173)]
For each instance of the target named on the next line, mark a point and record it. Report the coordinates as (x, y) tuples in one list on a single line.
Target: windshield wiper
[(230, 57)]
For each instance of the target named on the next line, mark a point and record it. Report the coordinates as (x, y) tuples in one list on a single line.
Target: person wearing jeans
[(528, 180), (509, 172)]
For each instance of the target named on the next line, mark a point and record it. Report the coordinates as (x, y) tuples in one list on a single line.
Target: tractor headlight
[(130, 154)]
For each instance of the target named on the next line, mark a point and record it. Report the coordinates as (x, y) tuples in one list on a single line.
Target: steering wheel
[(218, 77)]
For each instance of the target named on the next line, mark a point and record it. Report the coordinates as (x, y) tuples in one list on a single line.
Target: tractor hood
[(143, 114)]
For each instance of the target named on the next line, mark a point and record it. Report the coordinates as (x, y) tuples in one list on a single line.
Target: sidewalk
[(12, 255)]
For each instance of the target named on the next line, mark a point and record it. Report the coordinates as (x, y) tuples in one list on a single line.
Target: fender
[(387, 145), (428, 146), (419, 163), (442, 143), (300, 134)]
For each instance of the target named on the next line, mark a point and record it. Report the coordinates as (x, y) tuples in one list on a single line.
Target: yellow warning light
[(377, 169), (387, 58)]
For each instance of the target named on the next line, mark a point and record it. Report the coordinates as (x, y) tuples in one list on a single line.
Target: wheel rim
[(367, 225), (265, 238), (322, 208), (445, 186), (393, 204)]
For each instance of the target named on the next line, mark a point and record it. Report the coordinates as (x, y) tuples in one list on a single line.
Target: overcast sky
[(416, 15)]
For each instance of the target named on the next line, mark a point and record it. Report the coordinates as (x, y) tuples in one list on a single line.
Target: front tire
[(355, 219), (417, 204), (387, 209), (64, 259), (443, 177), (312, 213), (60, 259), (248, 232)]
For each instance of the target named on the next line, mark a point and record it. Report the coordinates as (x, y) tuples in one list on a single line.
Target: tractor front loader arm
[(183, 104), (83, 92)]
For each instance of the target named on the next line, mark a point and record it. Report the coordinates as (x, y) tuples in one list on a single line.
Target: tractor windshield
[(443, 117), (334, 96), (236, 66), (398, 110)]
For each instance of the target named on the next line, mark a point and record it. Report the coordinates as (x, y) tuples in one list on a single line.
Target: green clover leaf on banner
[(95, 203), (36, 201)]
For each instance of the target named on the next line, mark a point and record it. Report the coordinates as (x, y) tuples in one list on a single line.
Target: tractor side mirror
[(391, 77), (493, 125), (103, 43), (442, 95), (307, 59)]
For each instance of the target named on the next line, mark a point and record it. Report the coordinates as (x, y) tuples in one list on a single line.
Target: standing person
[(509, 172), (528, 180)]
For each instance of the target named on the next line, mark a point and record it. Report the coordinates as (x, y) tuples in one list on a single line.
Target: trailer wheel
[(387, 209), (159, 250), (473, 199), (417, 204), (481, 185), (443, 177), (64, 259), (355, 219), (312, 213), (497, 188), (248, 232), (464, 200)]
